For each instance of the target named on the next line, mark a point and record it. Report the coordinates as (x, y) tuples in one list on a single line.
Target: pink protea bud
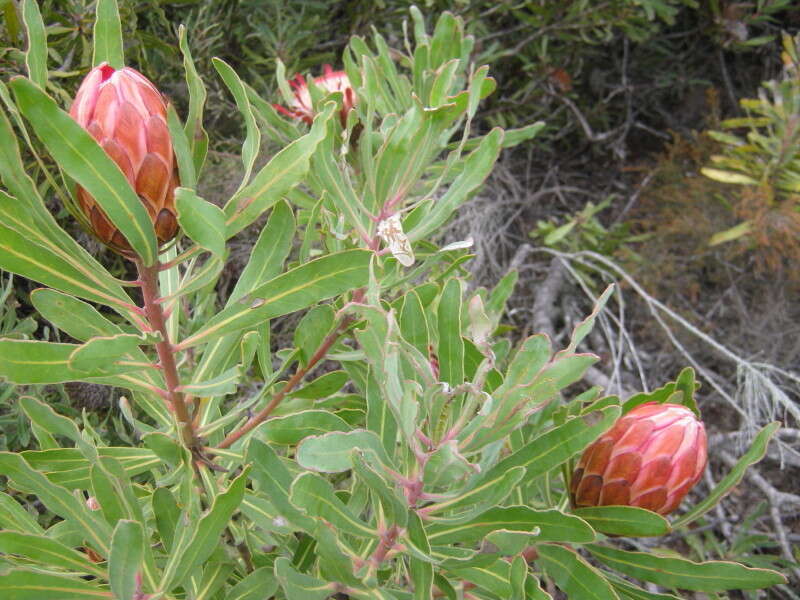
[(330, 81), (127, 116), (650, 458)]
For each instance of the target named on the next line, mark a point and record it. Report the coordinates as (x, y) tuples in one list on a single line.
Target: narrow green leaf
[(47, 552), (269, 252), (258, 585), (197, 136), (86, 162), (108, 35), (754, 454), (14, 516), (36, 55), (316, 497), (573, 575), (56, 498), (202, 221), (167, 514), (45, 417), (679, 573), (291, 429), (477, 166), (208, 532), (558, 445), (125, 562), (32, 249), (315, 325), (278, 176), (488, 493), (274, 480), (74, 317), (450, 349), (624, 520), (102, 355), (553, 525), (294, 290), (221, 385), (35, 585), (252, 139), (298, 586), (182, 148)]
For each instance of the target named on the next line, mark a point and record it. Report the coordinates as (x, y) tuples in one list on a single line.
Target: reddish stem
[(148, 277)]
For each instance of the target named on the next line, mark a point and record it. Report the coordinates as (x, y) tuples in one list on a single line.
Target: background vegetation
[(667, 160)]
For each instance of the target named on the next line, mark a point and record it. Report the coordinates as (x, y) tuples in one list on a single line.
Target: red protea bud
[(331, 81), (650, 458), (127, 116)]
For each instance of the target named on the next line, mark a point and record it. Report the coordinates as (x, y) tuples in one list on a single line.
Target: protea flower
[(650, 458), (330, 81), (127, 116)]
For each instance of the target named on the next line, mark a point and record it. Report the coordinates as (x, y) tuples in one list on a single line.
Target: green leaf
[(167, 514), (108, 35), (558, 445), (573, 575), (510, 542), (754, 454), (252, 139), (197, 136), (113, 490), (221, 385), (36, 56), (394, 505), (258, 585), (47, 552), (728, 176), (125, 562), (45, 417), (379, 415), (322, 387), (35, 585), (477, 166), (274, 480), (74, 317), (202, 221), (675, 573), (290, 429), (629, 521), (553, 525), (294, 290), (330, 453), (312, 330), (56, 498), (283, 172), (67, 467), (182, 148), (85, 161), (30, 247), (314, 495), (206, 537), (583, 328), (298, 586), (269, 252), (104, 355), (627, 590), (488, 493), (734, 233), (421, 571), (14, 516), (450, 349)]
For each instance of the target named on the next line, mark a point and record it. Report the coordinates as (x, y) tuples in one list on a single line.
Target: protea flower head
[(127, 116), (650, 458), (330, 81)]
